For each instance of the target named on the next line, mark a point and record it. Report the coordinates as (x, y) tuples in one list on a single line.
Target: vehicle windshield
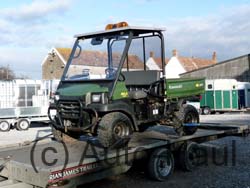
[(96, 58)]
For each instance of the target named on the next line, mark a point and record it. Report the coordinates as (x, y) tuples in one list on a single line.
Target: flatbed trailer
[(59, 164)]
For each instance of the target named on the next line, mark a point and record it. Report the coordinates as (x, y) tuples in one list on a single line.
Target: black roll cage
[(131, 36)]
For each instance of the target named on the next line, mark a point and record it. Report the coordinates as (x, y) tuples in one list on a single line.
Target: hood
[(80, 89)]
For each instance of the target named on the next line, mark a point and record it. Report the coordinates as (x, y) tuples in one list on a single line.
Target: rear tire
[(114, 129), (187, 114), (4, 126), (161, 164), (22, 124)]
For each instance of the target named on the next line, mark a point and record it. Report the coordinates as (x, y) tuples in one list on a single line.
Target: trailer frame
[(79, 167)]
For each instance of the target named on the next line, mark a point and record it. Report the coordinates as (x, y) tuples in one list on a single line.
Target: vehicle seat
[(139, 81)]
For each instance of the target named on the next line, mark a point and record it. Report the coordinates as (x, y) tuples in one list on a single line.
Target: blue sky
[(30, 28)]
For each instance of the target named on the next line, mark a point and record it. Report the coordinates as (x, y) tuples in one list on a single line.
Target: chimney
[(152, 54), (214, 57), (175, 53)]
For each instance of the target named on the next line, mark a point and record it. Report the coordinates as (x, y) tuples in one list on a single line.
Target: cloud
[(23, 61), (27, 30), (29, 24), (227, 33), (36, 11)]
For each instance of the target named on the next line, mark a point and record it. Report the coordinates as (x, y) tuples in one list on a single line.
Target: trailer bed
[(48, 163)]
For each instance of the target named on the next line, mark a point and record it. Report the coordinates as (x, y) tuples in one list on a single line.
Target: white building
[(177, 65)]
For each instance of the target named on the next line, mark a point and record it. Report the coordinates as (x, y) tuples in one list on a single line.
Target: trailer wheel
[(4, 126), (206, 110), (114, 129), (189, 156), (187, 114), (22, 124), (161, 164)]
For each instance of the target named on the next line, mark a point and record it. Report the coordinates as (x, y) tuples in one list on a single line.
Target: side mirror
[(96, 41)]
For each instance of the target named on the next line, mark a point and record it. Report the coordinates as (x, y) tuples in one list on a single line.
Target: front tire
[(114, 129)]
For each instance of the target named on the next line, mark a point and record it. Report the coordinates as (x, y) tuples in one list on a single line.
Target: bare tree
[(6, 73)]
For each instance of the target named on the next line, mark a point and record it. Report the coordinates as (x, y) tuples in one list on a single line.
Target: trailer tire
[(187, 114), (188, 156), (22, 125), (4, 126), (206, 110), (114, 130), (161, 164)]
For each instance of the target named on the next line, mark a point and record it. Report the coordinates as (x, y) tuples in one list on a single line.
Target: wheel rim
[(24, 124), (164, 165), (121, 129), (205, 111), (4, 126)]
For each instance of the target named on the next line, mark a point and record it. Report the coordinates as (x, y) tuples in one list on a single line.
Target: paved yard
[(208, 176), (14, 137)]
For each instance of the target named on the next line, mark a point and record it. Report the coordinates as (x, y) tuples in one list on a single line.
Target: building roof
[(219, 63), (99, 58), (193, 63), (190, 63), (159, 61)]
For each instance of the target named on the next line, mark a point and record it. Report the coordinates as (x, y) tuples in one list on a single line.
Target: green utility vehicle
[(114, 84)]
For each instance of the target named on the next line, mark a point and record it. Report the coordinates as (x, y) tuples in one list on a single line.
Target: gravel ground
[(205, 176)]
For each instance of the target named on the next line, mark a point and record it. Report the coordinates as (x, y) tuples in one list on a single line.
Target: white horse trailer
[(23, 101)]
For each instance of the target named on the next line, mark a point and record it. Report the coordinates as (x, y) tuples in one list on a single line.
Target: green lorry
[(108, 89)]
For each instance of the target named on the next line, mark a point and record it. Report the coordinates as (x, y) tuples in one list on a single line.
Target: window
[(210, 86)]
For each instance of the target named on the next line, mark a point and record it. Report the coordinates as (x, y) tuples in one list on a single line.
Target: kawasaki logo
[(175, 87)]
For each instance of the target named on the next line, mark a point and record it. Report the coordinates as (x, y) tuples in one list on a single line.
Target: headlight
[(96, 97)]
